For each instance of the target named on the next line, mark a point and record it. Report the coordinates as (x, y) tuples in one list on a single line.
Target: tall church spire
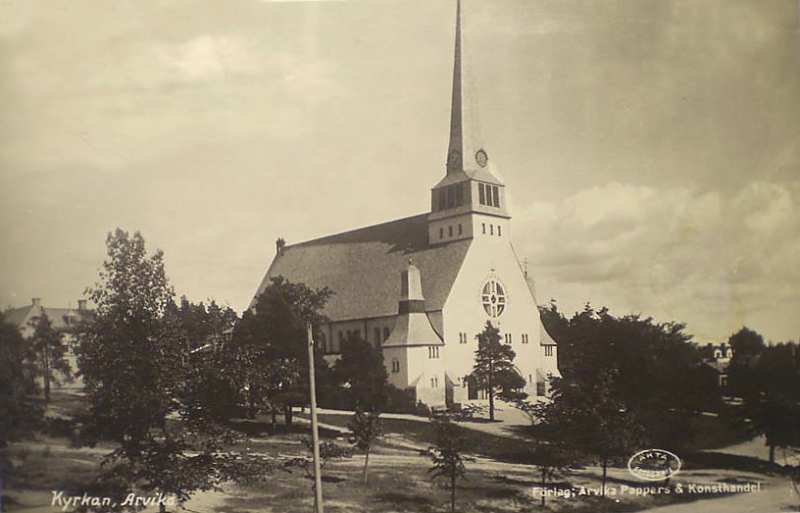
[(469, 191), (466, 151), (456, 148)]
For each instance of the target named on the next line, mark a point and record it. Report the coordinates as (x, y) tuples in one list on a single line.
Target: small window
[(530, 378), (499, 231), (481, 194), (433, 352), (460, 229), (432, 386), (377, 336), (491, 229), (496, 196), (483, 225), (395, 366), (449, 231), (441, 233), (548, 350)]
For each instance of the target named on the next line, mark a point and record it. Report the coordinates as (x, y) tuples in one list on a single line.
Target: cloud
[(678, 253), (208, 57)]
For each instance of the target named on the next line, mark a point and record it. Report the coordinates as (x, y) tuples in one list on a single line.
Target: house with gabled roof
[(63, 320), (421, 288)]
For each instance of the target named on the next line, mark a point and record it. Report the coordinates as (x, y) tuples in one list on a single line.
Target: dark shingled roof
[(363, 267)]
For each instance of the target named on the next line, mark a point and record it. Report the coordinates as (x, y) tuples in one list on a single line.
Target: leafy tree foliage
[(448, 454), (270, 347), (651, 371), (50, 351), (135, 364), (494, 369), (747, 347), (549, 448), (592, 420), (212, 384), (366, 428), (767, 379), (361, 376), (19, 411)]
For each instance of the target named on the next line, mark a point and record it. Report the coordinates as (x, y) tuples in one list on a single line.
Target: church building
[(421, 288)]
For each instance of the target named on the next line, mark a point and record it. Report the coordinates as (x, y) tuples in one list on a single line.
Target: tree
[(270, 346), (593, 421), (135, 362), (549, 449), (361, 376), (212, 384), (366, 428), (494, 369), (50, 351), (653, 370), (747, 346), (19, 412), (447, 454), (769, 386)]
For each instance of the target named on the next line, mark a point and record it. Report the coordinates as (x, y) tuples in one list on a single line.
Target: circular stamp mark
[(654, 465)]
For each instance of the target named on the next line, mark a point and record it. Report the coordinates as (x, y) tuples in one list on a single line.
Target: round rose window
[(493, 298)]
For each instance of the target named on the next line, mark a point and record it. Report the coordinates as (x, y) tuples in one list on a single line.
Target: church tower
[(469, 202)]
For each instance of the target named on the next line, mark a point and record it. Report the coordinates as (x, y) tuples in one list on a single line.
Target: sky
[(649, 147)]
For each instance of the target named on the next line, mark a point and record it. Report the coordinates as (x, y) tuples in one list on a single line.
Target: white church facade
[(421, 288)]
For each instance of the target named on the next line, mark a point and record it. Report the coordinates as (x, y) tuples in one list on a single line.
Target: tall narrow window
[(460, 229), (491, 229), (451, 197), (496, 196), (441, 233), (442, 199), (395, 365), (377, 337), (449, 231), (499, 231), (459, 194), (481, 194), (483, 225)]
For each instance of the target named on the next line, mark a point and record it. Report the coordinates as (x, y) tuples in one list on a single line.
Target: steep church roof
[(361, 267)]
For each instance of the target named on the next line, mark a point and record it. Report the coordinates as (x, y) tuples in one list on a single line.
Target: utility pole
[(318, 508)]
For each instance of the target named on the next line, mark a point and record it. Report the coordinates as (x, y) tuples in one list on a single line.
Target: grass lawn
[(496, 447), (399, 478)]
